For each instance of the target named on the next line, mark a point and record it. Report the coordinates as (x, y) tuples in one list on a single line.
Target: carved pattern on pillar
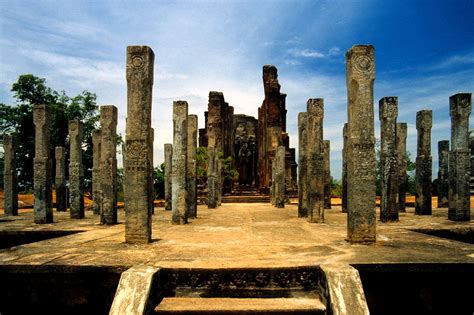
[(459, 158), (60, 179), (360, 154), (10, 191), (191, 170), (423, 163), (180, 135), (137, 175), (344, 169), (76, 170), (388, 112), (108, 165), (315, 168), (303, 164), (402, 165), (42, 166), (168, 168), (96, 149), (443, 174)]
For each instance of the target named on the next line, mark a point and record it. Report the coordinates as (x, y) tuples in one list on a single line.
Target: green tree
[(159, 181), (18, 120)]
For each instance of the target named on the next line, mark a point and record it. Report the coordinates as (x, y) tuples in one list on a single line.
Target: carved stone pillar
[(168, 168), (140, 61), (443, 174), (96, 137), (42, 165), (315, 168), (180, 153), (460, 106), (360, 154), (303, 165), (191, 170), (10, 184), (60, 179), (327, 174), (76, 170), (388, 112), (423, 163), (402, 165), (108, 165)]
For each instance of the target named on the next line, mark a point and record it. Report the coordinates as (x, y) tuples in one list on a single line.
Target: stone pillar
[(108, 165), (96, 137), (151, 181), (211, 178), (423, 163), (344, 169), (388, 112), (168, 168), (402, 165), (279, 177), (60, 180), (76, 170), (460, 106), (180, 147), (191, 170), (360, 154), (272, 184), (315, 168), (42, 165), (140, 60), (10, 183), (303, 165), (220, 180), (443, 174), (327, 174)]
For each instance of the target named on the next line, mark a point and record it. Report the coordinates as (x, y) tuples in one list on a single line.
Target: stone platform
[(237, 236)]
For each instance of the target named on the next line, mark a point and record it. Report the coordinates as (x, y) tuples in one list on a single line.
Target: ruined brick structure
[(272, 130)]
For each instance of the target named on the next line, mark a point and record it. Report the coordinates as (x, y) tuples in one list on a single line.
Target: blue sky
[(424, 53)]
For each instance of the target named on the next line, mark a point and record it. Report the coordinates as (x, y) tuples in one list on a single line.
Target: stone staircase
[(289, 290), (244, 291), (245, 194)]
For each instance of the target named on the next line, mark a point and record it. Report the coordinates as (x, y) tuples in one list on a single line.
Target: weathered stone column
[(315, 168), (168, 167), (327, 173), (211, 178), (191, 170), (96, 137), (423, 163), (140, 60), (460, 106), (302, 165), (388, 112), (402, 165), (443, 174), (180, 153), (220, 180), (10, 183), (279, 177), (151, 183), (76, 170), (272, 184), (108, 164), (344, 169), (42, 165), (60, 179), (360, 154)]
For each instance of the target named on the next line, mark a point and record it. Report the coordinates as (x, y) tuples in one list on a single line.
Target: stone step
[(187, 305), (245, 199)]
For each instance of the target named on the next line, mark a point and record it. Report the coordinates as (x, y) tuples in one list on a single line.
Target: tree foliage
[(17, 120)]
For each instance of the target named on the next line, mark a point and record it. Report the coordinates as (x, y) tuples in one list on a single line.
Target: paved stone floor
[(236, 235)]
